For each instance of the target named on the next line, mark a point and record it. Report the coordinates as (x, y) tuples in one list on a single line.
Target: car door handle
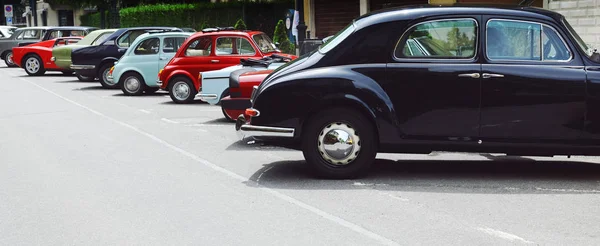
[(469, 75), (214, 61), (492, 75), (162, 58)]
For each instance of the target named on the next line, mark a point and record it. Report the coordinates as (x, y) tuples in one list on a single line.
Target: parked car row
[(513, 80)]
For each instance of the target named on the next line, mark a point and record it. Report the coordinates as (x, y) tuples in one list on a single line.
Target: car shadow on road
[(92, 88), (143, 95), (60, 75), (74, 81), (502, 175), (192, 103), (219, 121)]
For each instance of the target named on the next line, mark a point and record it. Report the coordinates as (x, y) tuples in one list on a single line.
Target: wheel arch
[(180, 73), (26, 55)]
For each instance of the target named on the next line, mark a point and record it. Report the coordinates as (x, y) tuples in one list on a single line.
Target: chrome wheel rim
[(105, 77), (181, 91), (9, 58), (339, 144), (32, 65), (132, 84)]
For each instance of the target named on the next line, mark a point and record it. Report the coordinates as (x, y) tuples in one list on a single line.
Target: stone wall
[(583, 15)]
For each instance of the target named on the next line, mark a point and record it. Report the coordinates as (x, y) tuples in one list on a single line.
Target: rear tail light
[(111, 70), (252, 112), (159, 73)]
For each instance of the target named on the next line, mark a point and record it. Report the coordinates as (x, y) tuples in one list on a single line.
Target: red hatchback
[(211, 49)]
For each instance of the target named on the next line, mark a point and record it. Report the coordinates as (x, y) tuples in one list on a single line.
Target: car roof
[(418, 11), (246, 33), (170, 34), (58, 28)]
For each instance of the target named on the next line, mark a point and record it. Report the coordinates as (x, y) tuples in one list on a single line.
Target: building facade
[(583, 15), (53, 15)]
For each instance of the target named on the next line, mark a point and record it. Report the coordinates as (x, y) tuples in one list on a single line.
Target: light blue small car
[(137, 70), (215, 84)]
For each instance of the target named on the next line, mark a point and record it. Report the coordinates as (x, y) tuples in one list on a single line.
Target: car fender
[(327, 87), (181, 72)]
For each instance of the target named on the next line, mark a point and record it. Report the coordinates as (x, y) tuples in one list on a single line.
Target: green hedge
[(258, 15)]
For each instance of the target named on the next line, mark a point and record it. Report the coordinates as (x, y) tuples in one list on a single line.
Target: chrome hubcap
[(105, 77), (9, 58), (339, 144), (181, 91), (132, 84), (32, 65)]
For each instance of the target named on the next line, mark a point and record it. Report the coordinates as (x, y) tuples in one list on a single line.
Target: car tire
[(226, 116), (102, 75), (151, 90), (132, 84), (84, 78), (33, 65), (8, 59), (328, 161), (182, 90)]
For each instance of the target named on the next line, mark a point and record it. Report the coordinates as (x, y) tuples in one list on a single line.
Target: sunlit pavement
[(83, 165)]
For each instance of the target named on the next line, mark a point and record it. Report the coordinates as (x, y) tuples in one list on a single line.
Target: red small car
[(240, 91), (36, 58), (211, 49)]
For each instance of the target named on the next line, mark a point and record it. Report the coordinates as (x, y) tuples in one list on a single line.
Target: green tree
[(240, 25), (280, 36)]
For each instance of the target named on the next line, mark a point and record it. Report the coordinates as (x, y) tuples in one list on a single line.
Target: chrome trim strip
[(82, 67), (245, 130), (207, 96), (159, 83)]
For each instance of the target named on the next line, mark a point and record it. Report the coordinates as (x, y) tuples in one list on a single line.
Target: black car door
[(434, 79), (533, 85)]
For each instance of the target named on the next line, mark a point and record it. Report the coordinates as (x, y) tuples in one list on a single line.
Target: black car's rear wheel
[(339, 143), (103, 76)]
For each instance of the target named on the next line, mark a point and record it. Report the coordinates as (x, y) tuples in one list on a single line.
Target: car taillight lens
[(160, 72), (111, 70), (252, 112)]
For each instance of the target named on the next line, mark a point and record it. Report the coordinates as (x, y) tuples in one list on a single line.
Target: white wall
[(583, 15)]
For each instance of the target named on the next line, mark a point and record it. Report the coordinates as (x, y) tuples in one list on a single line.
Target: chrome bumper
[(244, 130), (159, 83), (205, 97), (82, 67)]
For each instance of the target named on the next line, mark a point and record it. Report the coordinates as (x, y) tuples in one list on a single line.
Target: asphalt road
[(81, 165)]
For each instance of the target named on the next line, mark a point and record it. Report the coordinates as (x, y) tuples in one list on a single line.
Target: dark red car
[(240, 91), (211, 49)]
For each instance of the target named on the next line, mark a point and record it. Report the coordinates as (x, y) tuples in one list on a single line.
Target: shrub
[(260, 15), (280, 36), (240, 25)]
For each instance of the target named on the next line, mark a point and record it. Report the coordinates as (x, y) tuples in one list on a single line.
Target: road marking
[(503, 235), (338, 220), (170, 121), (144, 111)]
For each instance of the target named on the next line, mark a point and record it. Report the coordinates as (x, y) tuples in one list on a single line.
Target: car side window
[(148, 47), (199, 47), (101, 39), (171, 45), (440, 39), (234, 46), (513, 40), (554, 47), (126, 39)]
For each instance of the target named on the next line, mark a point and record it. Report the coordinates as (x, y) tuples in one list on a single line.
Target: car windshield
[(578, 39), (337, 38), (265, 44), (10, 31)]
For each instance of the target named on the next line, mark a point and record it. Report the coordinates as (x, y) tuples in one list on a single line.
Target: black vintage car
[(93, 62), (513, 80), (32, 35)]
